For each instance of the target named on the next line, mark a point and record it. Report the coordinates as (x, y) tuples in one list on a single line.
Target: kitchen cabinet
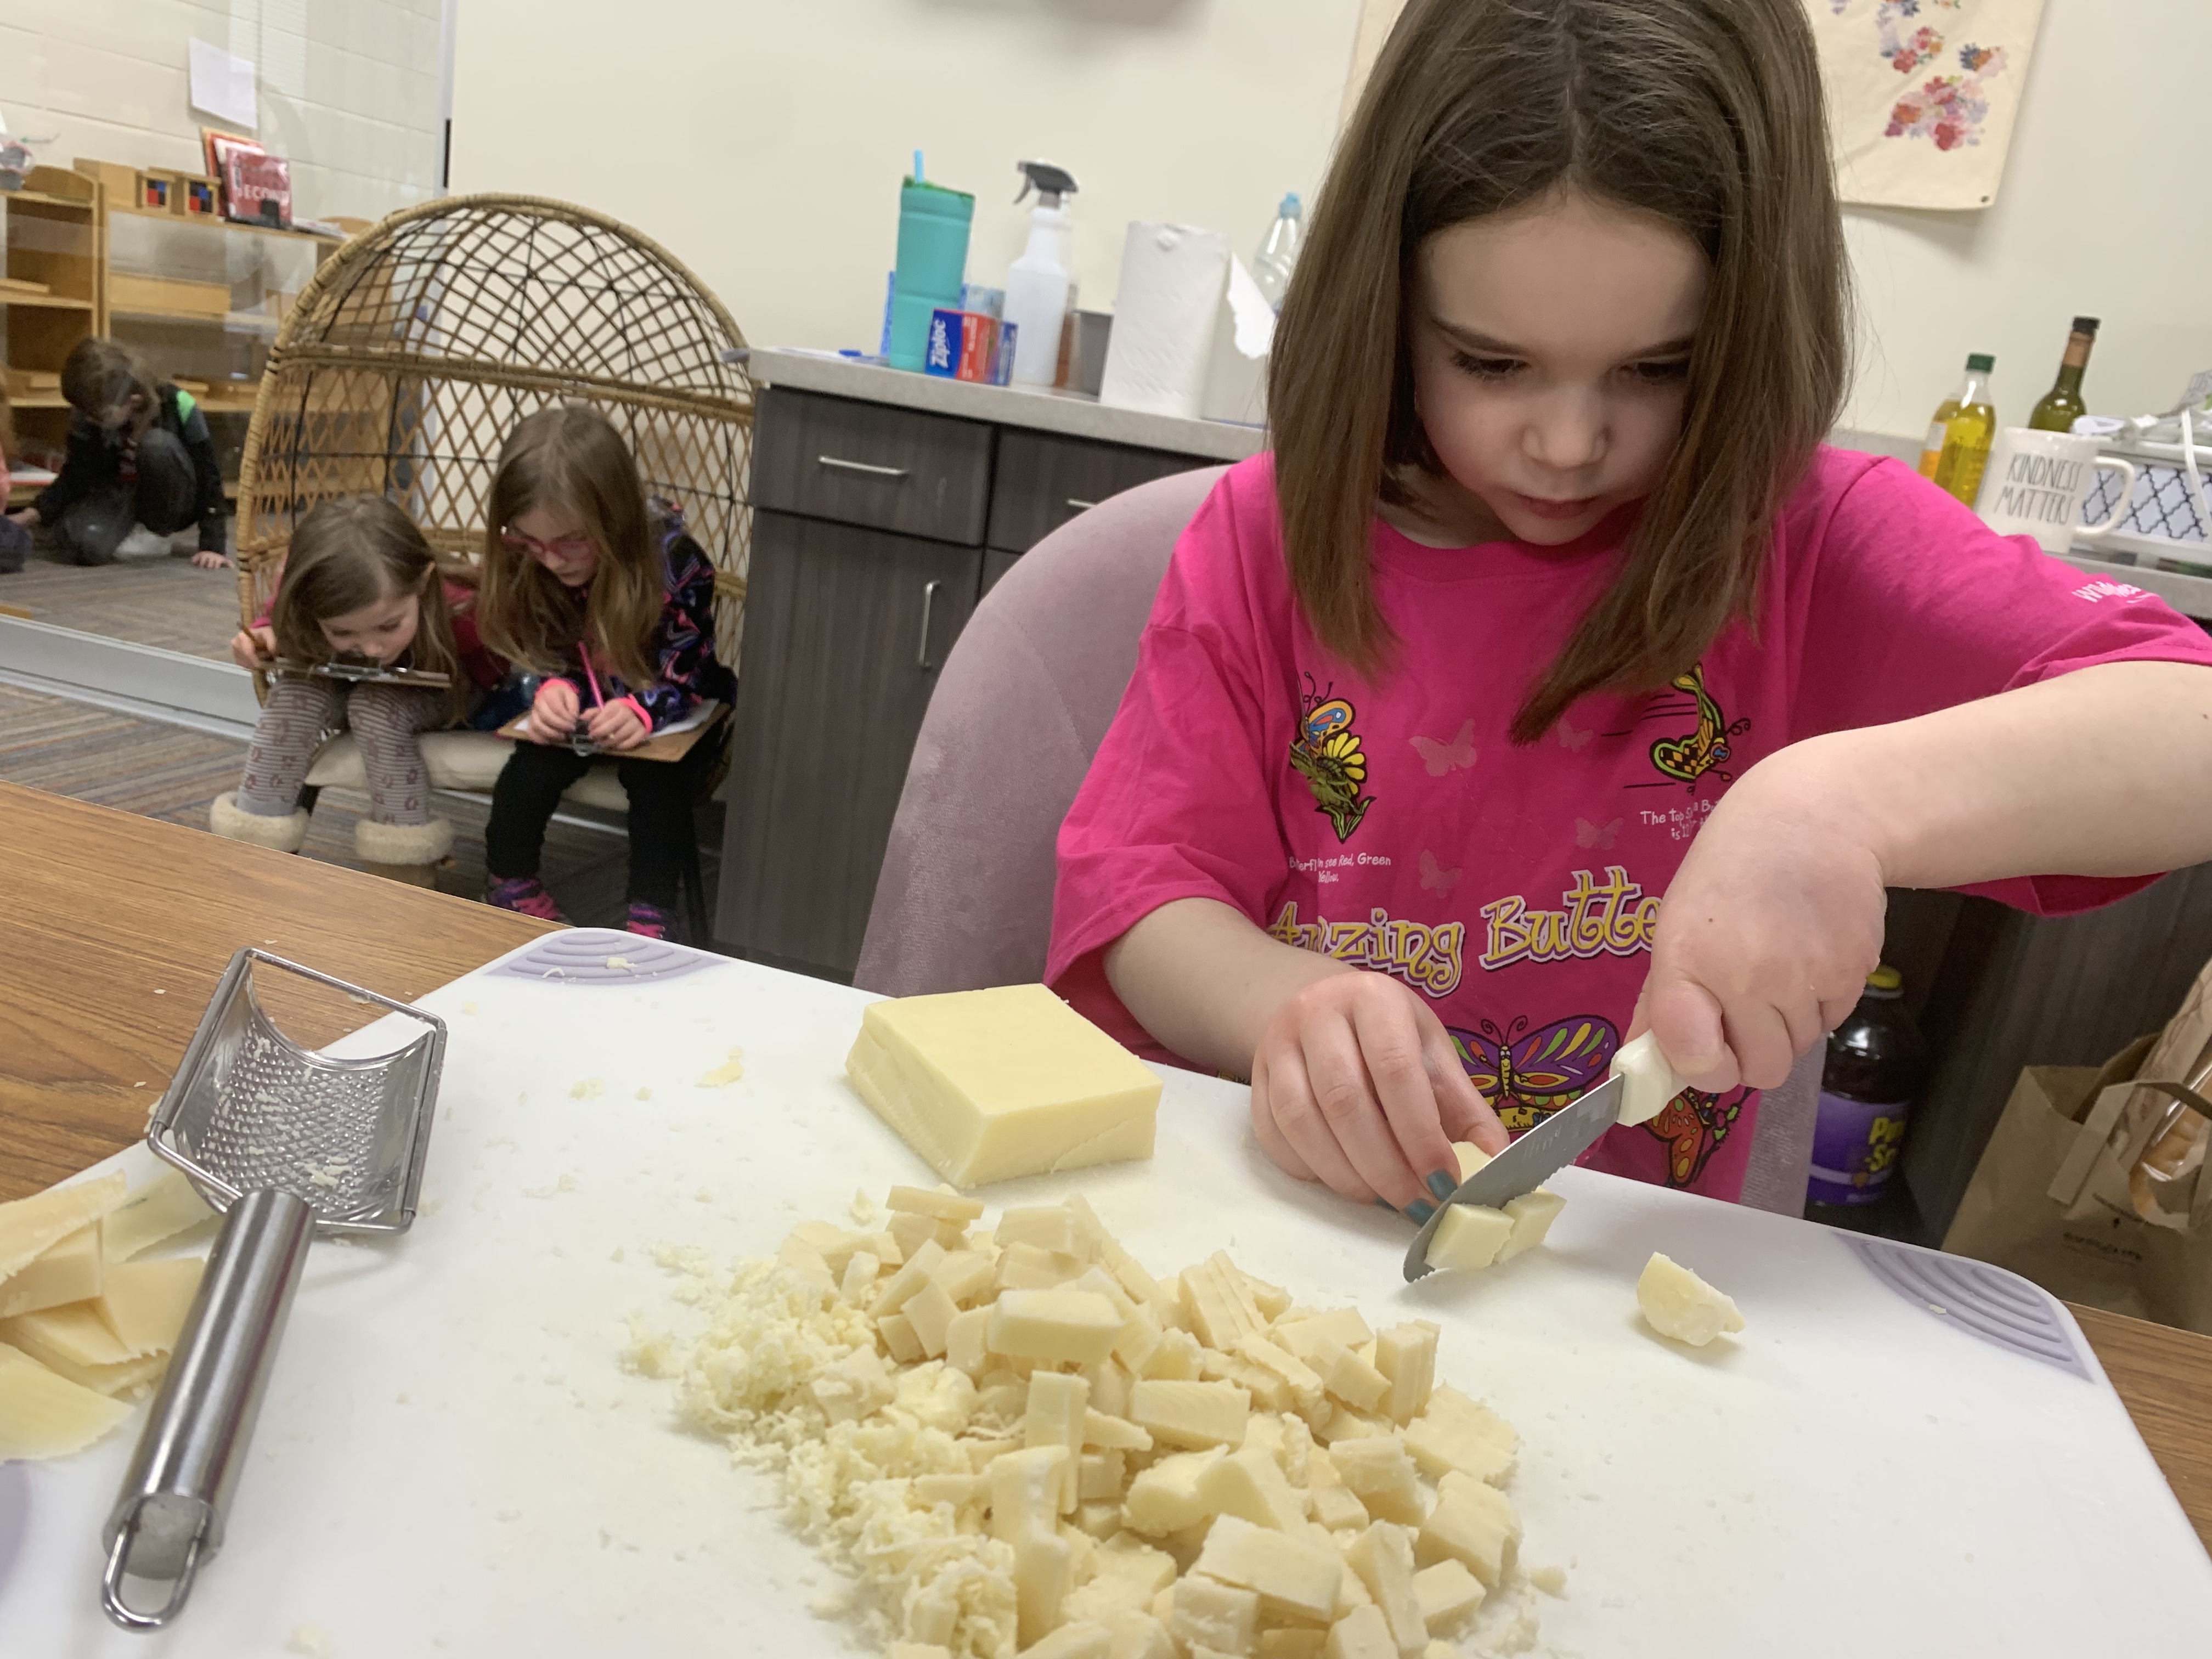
[(885, 506)]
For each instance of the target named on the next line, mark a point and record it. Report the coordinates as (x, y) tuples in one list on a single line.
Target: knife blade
[(1529, 1163)]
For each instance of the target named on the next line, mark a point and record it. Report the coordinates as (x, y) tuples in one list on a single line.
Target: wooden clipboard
[(661, 746)]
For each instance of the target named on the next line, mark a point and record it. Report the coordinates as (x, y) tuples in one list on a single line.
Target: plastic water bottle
[(1279, 253)]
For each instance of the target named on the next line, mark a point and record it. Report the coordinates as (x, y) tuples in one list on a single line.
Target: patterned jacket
[(682, 650)]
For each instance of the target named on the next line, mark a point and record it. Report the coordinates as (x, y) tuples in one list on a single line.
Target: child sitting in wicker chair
[(587, 582), (361, 588)]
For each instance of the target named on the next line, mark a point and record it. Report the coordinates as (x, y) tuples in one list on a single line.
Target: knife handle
[(1649, 1081)]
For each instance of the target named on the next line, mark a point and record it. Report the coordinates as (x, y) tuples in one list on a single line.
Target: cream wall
[(764, 142)]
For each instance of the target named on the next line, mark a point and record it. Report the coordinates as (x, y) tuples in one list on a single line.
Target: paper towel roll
[(1172, 279)]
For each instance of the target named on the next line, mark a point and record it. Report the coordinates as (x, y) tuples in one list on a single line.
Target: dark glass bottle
[(1876, 1063), (2062, 405)]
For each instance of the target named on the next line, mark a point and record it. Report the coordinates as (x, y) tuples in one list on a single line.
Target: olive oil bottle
[(2062, 405), (1968, 429)]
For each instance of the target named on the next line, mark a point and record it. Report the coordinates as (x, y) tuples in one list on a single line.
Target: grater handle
[(169, 1514)]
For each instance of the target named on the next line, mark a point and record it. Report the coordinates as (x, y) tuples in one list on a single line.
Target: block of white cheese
[(31, 1226), (1468, 1236), (145, 1302), (162, 1208), (990, 1085), (1532, 1215), (1651, 1082), (1676, 1302)]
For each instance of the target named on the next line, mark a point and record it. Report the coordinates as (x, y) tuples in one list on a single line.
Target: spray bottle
[(1036, 283)]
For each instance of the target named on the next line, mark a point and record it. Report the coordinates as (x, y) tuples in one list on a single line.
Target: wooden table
[(115, 929)]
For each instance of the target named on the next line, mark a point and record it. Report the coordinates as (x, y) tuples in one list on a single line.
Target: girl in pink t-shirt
[(1552, 681)]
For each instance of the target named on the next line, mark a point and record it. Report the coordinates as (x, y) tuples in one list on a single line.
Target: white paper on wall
[(1923, 95), (223, 85)]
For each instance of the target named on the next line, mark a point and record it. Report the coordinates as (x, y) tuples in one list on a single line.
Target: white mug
[(2036, 482)]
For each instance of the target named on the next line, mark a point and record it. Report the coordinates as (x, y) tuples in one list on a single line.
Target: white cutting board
[(450, 1460)]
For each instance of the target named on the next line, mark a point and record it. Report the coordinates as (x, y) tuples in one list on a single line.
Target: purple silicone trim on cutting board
[(581, 955), (1999, 1307)]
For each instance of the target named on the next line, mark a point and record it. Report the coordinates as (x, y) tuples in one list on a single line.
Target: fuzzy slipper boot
[(408, 853), (283, 834)]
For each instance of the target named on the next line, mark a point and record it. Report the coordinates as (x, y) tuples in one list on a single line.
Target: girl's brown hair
[(350, 552), (99, 376), (568, 460), (1708, 114)]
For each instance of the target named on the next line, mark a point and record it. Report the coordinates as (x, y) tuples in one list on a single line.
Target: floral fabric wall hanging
[(1923, 95)]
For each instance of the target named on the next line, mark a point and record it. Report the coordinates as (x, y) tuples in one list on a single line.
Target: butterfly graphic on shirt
[(1693, 1125), (1441, 757), (1598, 836), (1526, 1075), (1688, 758), (1327, 754), (1572, 736), (1435, 879)]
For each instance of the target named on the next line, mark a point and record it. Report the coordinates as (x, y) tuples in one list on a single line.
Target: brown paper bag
[(2055, 1196)]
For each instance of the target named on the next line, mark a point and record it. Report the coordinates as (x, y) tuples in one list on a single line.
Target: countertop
[(1073, 413)]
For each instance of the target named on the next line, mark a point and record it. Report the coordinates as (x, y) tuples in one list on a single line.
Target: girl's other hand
[(207, 559), (1357, 1084), (553, 712), (26, 517), (253, 647), (615, 726), (1768, 932)]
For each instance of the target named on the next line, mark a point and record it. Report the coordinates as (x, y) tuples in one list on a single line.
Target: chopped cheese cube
[(994, 1083), (1363, 1633), (1044, 1572), (912, 1231), (1051, 1227), (1100, 1477), (1407, 1354), (1473, 1524), (1381, 1476), (1138, 1635), (1676, 1302), (144, 1303), (1303, 1381), (1207, 1614), (899, 1337), (1176, 1360), (858, 1285), (1109, 1388), (1382, 1556), (1083, 1640), (43, 1415), (943, 1204), (1114, 1433), (913, 1272), (931, 1312), (162, 1208), (1056, 1418), (68, 1270), (1471, 1159), (1348, 1376), (1054, 1327), (1340, 1325), (1292, 1641), (1651, 1081), (1293, 1575), (1025, 1489), (1553, 1581), (1164, 1498), (1532, 1215), (1191, 1414), (1338, 1507), (1459, 1433), (1447, 1593), (1249, 1484), (964, 1275), (966, 1346), (29, 1227), (1468, 1236)]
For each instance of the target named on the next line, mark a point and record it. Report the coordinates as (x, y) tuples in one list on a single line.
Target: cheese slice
[(987, 1085), (1676, 1302), (1294, 1577), (67, 1272), (145, 1302), (44, 1415), (162, 1208), (31, 1226)]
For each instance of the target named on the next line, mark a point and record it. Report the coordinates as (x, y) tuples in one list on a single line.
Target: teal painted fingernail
[(1443, 1183), (1420, 1213)]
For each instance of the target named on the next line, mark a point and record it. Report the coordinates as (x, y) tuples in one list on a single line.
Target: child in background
[(359, 582), (139, 454), (588, 583), (1550, 601)]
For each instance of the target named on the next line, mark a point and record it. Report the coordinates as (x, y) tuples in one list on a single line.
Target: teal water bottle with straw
[(933, 260)]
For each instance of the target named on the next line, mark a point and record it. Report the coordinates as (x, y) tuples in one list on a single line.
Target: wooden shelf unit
[(57, 235)]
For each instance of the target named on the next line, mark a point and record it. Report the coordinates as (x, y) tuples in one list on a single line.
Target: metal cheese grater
[(287, 1144)]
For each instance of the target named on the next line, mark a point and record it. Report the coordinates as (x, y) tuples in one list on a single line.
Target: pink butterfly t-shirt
[(1392, 824)]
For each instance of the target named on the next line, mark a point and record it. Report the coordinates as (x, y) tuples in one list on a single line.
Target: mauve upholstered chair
[(965, 899)]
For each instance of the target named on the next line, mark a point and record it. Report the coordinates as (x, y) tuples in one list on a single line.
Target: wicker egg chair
[(418, 346)]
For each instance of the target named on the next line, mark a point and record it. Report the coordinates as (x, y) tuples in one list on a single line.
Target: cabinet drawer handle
[(1080, 506), (928, 604), (872, 470)]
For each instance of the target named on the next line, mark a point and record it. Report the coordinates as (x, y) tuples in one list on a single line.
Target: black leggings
[(661, 796)]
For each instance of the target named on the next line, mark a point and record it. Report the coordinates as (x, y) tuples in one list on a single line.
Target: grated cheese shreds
[(886, 1377)]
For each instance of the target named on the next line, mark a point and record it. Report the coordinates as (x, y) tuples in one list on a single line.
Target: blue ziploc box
[(1002, 359), (961, 345)]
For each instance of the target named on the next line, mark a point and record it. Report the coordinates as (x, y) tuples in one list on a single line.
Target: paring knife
[(1559, 1140)]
